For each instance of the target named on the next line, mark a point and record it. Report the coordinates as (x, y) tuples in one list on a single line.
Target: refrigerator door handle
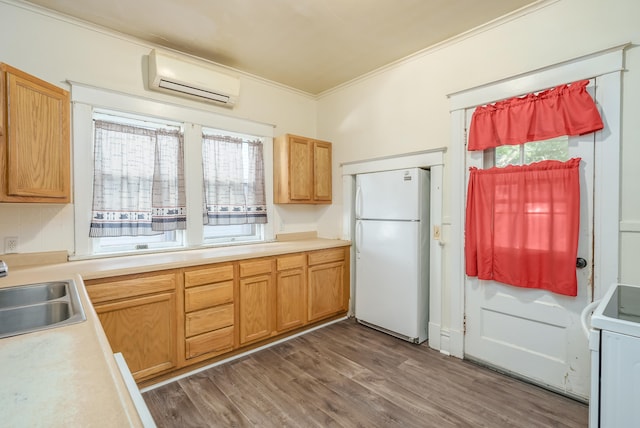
[(358, 236), (358, 207)]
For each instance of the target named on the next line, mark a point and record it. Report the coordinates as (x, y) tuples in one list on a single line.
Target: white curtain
[(138, 186), (233, 181)]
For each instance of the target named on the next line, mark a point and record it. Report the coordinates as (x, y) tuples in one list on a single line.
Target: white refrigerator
[(392, 252)]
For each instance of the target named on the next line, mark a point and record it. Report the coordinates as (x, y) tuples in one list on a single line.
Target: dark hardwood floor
[(348, 375)]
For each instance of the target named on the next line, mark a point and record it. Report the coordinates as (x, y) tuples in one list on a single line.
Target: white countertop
[(67, 376)]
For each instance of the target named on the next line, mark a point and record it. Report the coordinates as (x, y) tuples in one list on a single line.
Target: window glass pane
[(232, 233), (553, 149), (507, 155), (171, 239)]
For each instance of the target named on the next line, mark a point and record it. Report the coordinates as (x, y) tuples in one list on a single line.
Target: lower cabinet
[(168, 320), (209, 311), (328, 279), (291, 292), (138, 315), (256, 300)]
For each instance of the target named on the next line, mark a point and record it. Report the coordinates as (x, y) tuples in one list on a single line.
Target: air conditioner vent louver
[(196, 92), (183, 77)]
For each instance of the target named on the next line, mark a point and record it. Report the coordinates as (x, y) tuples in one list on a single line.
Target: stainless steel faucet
[(4, 269)]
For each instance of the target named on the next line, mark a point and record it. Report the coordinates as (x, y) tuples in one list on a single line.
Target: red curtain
[(522, 225), (563, 110)]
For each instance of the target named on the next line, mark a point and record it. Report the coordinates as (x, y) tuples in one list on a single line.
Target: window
[(523, 216), (552, 149), (233, 187), (138, 184), (92, 104)]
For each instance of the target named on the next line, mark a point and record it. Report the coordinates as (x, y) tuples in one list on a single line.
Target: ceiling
[(310, 45)]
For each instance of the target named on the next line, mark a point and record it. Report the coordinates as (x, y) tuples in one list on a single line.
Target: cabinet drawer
[(205, 296), (326, 256), (290, 262), (208, 319), (256, 267), (214, 341), (135, 285), (208, 275)]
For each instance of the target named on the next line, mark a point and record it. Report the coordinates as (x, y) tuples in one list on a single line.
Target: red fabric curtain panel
[(563, 110), (522, 225)]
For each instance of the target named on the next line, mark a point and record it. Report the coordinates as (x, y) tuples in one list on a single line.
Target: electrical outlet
[(436, 233), (11, 244)]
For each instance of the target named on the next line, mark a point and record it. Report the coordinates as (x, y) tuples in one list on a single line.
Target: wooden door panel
[(290, 299), (143, 330), (300, 169), (326, 290), (255, 308), (322, 171)]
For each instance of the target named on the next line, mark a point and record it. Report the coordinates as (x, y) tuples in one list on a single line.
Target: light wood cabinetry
[(167, 321), (256, 299), (209, 306), (301, 170), (34, 139), (291, 288), (139, 316), (328, 293)]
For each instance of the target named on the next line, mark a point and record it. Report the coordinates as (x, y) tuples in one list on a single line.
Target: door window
[(552, 149)]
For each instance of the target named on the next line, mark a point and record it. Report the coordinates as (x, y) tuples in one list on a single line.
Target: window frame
[(86, 99)]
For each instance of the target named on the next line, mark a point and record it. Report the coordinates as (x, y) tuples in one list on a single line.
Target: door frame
[(434, 161), (606, 66)]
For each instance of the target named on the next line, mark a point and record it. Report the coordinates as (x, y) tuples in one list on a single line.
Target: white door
[(536, 334)]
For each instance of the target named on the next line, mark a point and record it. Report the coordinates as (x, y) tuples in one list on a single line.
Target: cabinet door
[(322, 171), (290, 299), (326, 290), (37, 141), (300, 169), (255, 308), (143, 329)]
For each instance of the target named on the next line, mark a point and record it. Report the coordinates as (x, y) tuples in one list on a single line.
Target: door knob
[(581, 263)]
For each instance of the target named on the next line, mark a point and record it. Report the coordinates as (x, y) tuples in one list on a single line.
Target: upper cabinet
[(301, 170), (34, 139)]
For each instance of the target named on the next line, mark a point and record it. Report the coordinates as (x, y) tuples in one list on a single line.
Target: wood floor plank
[(349, 375), (171, 407), (213, 405)]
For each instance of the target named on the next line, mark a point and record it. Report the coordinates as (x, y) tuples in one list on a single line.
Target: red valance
[(522, 225), (563, 110)]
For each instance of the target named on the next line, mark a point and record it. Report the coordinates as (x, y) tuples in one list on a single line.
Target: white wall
[(56, 49), (404, 108), (401, 109)]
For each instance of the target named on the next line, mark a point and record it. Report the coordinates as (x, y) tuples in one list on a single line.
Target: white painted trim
[(604, 65), (82, 137), (632, 226), (348, 225), (433, 159), (606, 202), (435, 260), (455, 251), (584, 67), (409, 160)]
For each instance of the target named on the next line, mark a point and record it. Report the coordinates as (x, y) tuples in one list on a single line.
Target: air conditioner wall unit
[(183, 77)]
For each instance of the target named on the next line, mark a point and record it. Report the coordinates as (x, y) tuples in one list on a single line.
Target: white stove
[(614, 340)]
